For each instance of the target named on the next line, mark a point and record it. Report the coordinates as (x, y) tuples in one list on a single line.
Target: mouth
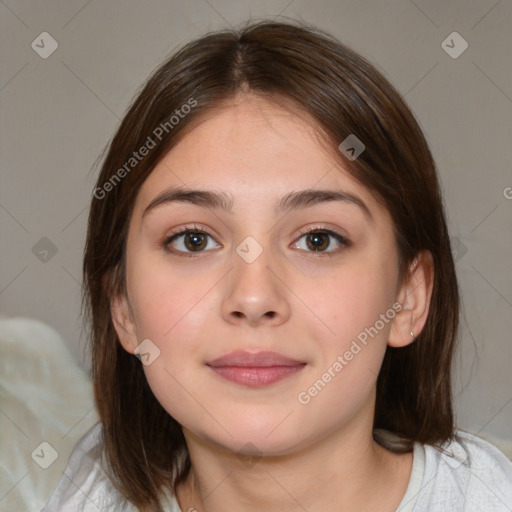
[(255, 369)]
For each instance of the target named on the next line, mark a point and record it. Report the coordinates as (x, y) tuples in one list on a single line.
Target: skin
[(292, 300)]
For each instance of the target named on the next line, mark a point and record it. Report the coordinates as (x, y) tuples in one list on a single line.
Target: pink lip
[(255, 369)]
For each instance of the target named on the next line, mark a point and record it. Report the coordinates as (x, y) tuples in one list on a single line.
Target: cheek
[(351, 347), (350, 300), (167, 302), (355, 306), (173, 310), (172, 316)]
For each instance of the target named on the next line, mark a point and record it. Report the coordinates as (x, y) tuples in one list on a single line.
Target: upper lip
[(254, 359)]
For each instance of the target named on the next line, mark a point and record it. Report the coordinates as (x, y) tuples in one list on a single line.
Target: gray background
[(58, 113)]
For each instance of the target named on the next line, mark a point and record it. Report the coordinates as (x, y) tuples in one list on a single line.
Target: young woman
[(272, 295)]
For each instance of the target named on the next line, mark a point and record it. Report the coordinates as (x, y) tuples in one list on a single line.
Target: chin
[(261, 436)]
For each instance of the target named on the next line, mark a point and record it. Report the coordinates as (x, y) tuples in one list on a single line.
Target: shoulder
[(467, 474), (84, 485)]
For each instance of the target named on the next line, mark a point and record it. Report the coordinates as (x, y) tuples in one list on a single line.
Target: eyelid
[(321, 227), (187, 227)]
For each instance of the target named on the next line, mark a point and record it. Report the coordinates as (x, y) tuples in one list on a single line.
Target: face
[(312, 282)]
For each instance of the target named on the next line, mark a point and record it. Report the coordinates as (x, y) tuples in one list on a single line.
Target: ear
[(122, 320), (414, 296)]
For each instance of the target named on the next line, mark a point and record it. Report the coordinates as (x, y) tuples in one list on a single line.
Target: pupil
[(194, 241), (318, 241)]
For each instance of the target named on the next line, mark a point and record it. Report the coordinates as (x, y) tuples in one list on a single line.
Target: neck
[(335, 470)]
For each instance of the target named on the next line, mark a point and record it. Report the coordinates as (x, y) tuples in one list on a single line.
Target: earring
[(412, 334)]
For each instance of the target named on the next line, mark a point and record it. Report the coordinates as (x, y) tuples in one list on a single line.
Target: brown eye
[(189, 241), (195, 241), (322, 241), (317, 241)]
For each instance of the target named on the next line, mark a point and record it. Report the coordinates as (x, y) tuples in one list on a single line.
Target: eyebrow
[(222, 201)]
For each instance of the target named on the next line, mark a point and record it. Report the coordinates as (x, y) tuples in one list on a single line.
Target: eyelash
[(343, 241)]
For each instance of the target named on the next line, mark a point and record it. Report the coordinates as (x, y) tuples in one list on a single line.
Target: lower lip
[(257, 376)]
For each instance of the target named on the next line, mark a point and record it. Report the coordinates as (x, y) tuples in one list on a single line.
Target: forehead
[(253, 149)]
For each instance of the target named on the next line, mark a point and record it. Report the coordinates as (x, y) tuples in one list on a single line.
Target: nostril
[(270, 314)]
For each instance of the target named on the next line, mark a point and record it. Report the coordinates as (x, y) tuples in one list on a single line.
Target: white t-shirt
[(471, 476)]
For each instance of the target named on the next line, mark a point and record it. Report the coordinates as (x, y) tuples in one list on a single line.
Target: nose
[(256, 294)]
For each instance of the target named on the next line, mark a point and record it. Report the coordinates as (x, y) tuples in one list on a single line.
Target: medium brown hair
[(144, 446)]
